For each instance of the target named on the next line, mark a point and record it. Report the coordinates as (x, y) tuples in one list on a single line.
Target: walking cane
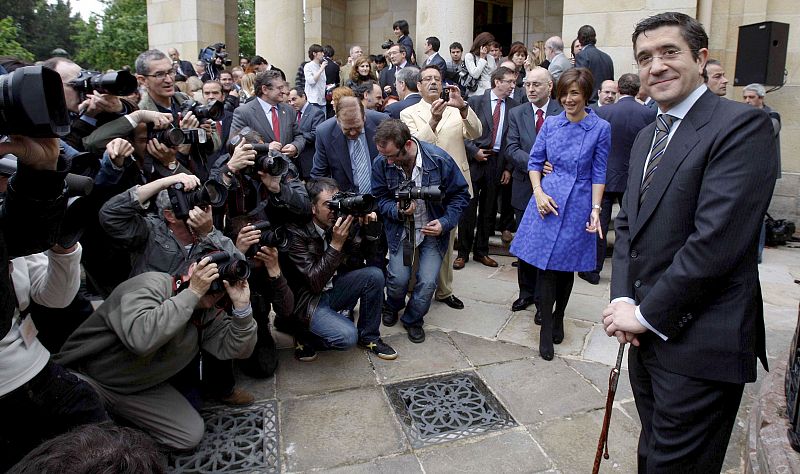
[(602, 443)]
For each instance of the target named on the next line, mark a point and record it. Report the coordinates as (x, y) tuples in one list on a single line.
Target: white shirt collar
[(544, 107), (680, 110)]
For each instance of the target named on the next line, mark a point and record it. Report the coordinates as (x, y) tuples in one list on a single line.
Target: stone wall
[(537, 20)]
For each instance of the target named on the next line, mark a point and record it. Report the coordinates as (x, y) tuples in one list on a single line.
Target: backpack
[(465, 80)]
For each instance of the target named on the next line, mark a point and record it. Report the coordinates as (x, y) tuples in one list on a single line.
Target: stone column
[(188, 25), (448, 20), (280, 36), (232, 31)]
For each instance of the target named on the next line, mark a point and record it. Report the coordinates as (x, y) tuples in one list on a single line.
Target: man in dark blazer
[(524, 123), (486, 156), (260, 114), (432, 45), (405, 82), (335, 148), (397, 57), (183, 68), (598, 62), (308, 118), (627, 117), (685, 288)]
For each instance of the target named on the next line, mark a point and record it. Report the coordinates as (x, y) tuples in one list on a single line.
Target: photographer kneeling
[(326, 269), (421, 194), (150, 328)]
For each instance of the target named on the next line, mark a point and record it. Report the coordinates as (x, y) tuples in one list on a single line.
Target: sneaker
[(380, 349), (304, 353), (239, 398)]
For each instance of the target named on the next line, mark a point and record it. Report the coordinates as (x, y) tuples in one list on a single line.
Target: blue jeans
[(334, 330), (430, 259)]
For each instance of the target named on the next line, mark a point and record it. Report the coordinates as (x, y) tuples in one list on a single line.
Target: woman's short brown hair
[(580, 76), (517, 48)]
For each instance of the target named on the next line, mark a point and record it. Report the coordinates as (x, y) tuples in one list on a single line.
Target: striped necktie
[(363, 171), (663, 125)]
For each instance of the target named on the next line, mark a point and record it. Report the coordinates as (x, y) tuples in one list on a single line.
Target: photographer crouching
[(421, 194), (148, 330)]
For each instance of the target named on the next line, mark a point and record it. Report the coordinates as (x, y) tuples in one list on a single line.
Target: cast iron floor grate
[(444, 408), (236, 440)]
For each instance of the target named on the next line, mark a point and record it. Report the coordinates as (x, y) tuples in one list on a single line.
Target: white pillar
[(184, 26), (448, 20), (280, 36)]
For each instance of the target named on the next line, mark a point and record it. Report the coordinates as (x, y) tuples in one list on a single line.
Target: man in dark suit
[(183, 69), (685, 288), (346, 143), (267, 115), (486, 156), (524, 123), (397, 57), (627, 117), (598, 62), (308, 118), (432, 45), (405, 82)]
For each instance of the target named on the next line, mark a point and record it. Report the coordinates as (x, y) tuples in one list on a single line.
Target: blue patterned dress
[(578, 152)]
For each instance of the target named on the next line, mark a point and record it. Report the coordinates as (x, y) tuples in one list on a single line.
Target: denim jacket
[(438, 169)]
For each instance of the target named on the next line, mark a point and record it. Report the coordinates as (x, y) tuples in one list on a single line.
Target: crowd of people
[(224, 194)]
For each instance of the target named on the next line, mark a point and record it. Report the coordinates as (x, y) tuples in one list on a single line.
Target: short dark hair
[(212, 81), (266, 78), (328, 50), (628, 84), (691, 29), (572, 47), (402, 24), (103, 447), (499, 73), (481, 40), (314, 49), (225, 72), (710, 62), (300, 91), (576, 75), (456, 45), (392, 131), (587, 35), (380, 59), (257, 60), (316, 186), (425, 68), (517, 47), (363, 88), (434, 42)]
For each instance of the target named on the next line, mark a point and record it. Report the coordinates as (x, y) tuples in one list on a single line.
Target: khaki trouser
[(444, 284)]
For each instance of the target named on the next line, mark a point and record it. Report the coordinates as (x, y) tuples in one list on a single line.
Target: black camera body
[(213, 110), (387, 44), (445, 93), (272, 162), (409, 191), (352, 204), (32, 103), (231, 269), (270, 237), (210, 193), (119, 83), (174, 137)]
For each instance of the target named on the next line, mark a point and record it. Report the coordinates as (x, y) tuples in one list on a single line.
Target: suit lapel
[(529, 122), (340, 149), (263, 122)]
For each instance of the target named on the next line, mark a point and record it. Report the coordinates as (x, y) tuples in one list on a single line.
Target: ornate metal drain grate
[(439, 409), (236, 440)]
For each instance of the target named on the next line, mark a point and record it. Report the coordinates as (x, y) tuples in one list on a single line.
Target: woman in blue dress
[(557, 232)]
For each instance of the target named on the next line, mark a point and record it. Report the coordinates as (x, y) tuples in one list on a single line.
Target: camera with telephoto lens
[(387, 44), (174, 137), (230, 267), (270, 237), (272, 162), (352, 204), (213, 52), (32, 103), (119, 83), (210, 193), (212, 110), (409, 191)]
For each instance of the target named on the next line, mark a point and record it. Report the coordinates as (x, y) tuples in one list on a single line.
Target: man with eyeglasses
[(486, 157), (397, 56), (445, 124)]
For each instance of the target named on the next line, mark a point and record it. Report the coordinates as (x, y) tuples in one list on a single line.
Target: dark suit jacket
[(309, 122), (627, 117), (252, 115), (387, 79), (394, 109), (439, 62), (520, 140), (599, 63), (482, 106), (332, 157), (688, 256), (187, 69)]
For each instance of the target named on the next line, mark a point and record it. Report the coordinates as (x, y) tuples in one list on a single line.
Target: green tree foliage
[(43, 26), (8, 38), (247, 28), (116, 37)]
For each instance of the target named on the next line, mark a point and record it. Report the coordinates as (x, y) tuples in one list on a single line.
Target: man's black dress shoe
[(389, 317), (452, 302), (521, 303), (415, 333), (591, 277), (537, 318)]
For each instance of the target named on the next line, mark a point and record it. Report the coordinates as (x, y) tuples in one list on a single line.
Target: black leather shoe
[(453, 302), (389, 317), (415, 333), (537, 318), (591, 277), (521, 303)]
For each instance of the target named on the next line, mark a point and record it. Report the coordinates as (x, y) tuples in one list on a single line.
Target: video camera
[(272, 162), (210, 193), (231, 269), (387, 44), (119, 83), (352, 204), (215, 51), (32, 103), (270, 237)]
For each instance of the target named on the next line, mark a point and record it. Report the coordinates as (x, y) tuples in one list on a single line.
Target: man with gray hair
[(344, 72), (554, 51), (405, 81)]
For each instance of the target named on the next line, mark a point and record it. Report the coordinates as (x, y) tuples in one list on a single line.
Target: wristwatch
[(596, 206)]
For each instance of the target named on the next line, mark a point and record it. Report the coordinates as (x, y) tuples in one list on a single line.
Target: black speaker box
[(761, 53)]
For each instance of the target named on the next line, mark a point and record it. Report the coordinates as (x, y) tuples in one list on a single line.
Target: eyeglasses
[(160, 75), (644, 61), (431, 79), (506, 81), (535, 85)]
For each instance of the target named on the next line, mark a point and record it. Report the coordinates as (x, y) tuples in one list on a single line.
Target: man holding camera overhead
[(415, 183)]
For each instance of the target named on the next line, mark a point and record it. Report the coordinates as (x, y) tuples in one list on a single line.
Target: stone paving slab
[(339, 428), (522, 330), (585, 307), (510, 451), (598, 375), (481, 319), (436, 355), (262, 389), (403, 464), (603, 349), (333, 370), (480, 351), (535, 391)]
